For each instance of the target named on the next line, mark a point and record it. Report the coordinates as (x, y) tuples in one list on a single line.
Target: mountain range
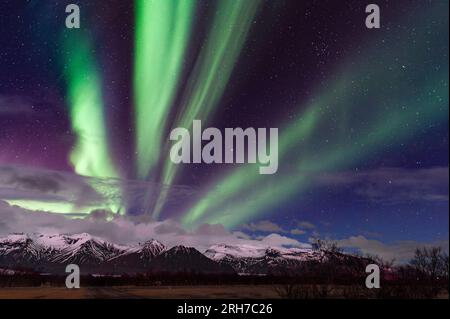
[(45, 253)]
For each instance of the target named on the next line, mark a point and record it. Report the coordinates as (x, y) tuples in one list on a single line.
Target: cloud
[(297, 231), (130, 229), (50, 190), (400, 251), (263, 226), (47, 186), (101, 214), (267, 226), (35, 105), (134, 229), (393, 185), (368, 233), (15, 105), (40, 183), (306, 225), (277, 240)]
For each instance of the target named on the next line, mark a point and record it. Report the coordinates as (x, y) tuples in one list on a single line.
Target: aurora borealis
[(384, 124), (90, 155), (100, 102), (162, 34), (210, 76)]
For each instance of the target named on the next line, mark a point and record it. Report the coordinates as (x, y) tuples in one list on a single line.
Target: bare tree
[(381, 262), (431, 263), (326, 245), (445, 265)]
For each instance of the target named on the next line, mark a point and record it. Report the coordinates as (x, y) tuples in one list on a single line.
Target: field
[(207, 292), (232, 291)]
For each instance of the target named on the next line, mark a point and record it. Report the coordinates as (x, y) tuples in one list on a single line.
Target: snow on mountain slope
[(220, 251), (21, 247), (187, 259), (137, 258), (50, 253), (246, 259), (84, 248), (151, 248), (79, 248)]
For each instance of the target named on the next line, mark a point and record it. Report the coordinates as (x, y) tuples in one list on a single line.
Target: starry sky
[(85, 114)]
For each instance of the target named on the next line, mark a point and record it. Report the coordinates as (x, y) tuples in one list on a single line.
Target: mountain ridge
[(51, 253)]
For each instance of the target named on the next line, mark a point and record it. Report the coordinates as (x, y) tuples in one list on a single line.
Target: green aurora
[(365, 107)]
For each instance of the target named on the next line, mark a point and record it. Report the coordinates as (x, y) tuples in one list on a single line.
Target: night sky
[(362, 113)]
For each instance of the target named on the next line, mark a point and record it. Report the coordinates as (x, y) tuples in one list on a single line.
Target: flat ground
[(163, 292), (232, 291)]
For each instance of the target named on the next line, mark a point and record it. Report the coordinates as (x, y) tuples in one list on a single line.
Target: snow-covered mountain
[(187, 259), (22, 249), (245, 259), (52, 253), (137, 258), (84, 249), (251, 260)]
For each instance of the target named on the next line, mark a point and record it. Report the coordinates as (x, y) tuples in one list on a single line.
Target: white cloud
[(127, 230), (401, 251), (393, 185), (263, 226), (306, 225), (267, 226), (297, 231), (15, 105), (276, 240)]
